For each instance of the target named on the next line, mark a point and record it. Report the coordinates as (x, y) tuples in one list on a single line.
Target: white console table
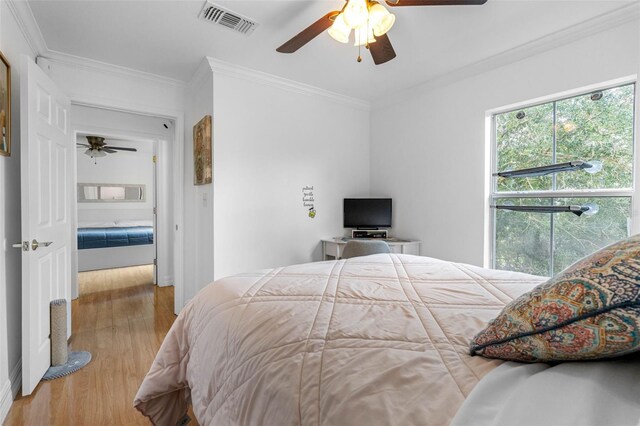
[(332, 247)]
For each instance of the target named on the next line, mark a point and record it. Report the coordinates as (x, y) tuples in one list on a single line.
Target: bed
[(91, 238), (115, 244), (375, 340)]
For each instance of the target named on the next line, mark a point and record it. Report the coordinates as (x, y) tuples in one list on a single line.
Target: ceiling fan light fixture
[(95, 153), (363, 13), (339, 30), (380, 19), (356, 13), (363, 36)]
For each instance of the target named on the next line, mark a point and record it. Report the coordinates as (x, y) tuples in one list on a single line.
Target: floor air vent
[(224, 17)]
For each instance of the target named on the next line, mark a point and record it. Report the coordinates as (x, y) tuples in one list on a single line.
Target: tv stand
[(332, 247), (369, 233)]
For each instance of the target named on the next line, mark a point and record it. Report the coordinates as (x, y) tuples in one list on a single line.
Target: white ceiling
[(167, 38)]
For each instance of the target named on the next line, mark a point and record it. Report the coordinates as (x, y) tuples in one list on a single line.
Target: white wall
[(271, 140), (198, 200), (94, 83), (120, 168), (12, 44), (428, 149)]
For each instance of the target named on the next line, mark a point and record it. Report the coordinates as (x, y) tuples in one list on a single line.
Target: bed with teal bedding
[(91, 238)]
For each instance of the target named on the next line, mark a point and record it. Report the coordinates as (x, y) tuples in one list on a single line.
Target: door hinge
[(155, 262), (155, 159), (155, 210)]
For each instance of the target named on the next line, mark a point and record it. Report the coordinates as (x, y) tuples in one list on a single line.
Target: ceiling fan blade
[(109, 150), (83, 144), (382, 50), (119, 148), (308, 34), (434, 2)]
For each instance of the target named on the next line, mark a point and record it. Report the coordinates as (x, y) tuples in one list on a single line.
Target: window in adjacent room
[(592, 126)]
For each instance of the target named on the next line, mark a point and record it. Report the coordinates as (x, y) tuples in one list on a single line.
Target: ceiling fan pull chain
[(367, 44)]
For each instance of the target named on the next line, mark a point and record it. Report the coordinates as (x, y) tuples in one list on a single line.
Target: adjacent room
[(306, 212), (120, 199)]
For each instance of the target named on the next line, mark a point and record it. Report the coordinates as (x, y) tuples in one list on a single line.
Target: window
[(592, 127), (110, 192)]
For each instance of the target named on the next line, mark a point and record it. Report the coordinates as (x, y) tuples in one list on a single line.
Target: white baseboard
[(115, 257), (10, 390), (5, 400), (16, 378), (165, 281)]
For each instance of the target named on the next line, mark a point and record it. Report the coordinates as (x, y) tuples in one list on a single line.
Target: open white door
[(45, 149)]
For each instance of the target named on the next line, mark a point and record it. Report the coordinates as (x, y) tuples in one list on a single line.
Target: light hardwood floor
[(121, 318)]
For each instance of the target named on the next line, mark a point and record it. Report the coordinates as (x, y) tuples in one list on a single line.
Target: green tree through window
[(592, 126)]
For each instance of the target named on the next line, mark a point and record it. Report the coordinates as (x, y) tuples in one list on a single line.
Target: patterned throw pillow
[(590, 310)]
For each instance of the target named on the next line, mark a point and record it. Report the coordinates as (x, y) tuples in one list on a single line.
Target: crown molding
[(28, 25), (228, 69), (615, 18), (110, 69), (31, 31)]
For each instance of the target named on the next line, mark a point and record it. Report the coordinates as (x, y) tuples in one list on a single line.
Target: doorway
[(123, 213), (116, 203)]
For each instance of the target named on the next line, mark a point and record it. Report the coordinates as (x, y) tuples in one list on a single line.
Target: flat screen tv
[(367, 213)]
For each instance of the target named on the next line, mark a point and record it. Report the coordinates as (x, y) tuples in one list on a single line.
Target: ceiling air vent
[(226, 18)]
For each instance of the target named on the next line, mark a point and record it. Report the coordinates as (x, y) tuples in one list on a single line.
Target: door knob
[(35, 244), (23, 245)]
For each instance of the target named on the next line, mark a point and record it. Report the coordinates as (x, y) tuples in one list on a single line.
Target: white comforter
[(381, 339)]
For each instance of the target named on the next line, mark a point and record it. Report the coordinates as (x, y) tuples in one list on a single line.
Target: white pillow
[(96, 224), (132, 223)]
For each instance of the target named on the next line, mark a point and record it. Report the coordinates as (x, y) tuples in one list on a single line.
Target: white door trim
[(178, 176)]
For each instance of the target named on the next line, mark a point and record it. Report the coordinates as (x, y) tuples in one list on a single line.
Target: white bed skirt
[(115, 257)]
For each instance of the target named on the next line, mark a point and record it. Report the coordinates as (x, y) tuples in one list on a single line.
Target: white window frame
[(491, 157)]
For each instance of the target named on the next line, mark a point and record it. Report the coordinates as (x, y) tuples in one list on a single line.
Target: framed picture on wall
[(202, 159), (5, 106)]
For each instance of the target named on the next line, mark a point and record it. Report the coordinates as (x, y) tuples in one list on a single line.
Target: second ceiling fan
[(370, 22), (97, 147)]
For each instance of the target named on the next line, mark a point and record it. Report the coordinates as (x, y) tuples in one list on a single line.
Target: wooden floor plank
[(120, 317)]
